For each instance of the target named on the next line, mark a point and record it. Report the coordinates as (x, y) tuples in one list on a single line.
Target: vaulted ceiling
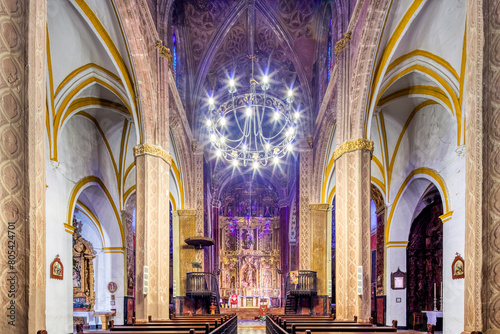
[(214, 39)]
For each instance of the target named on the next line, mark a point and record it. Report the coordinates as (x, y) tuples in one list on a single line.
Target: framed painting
[(57, 269), (458, 267), (398, 280), (112, 287)]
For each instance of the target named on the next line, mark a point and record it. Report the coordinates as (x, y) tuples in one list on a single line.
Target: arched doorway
[(425, 258)]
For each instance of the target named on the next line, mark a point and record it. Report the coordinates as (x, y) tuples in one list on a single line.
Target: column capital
[(341, 45), (163, 50), (283, 203), (320, 207), (216, 203), (153, 150), (353, 145), (175, 214), (186, 212)]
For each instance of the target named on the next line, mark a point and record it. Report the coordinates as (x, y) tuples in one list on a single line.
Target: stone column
[(152, 231), (321, 241), (352, 219), (22, 165), (305, 229), (176, 252), (216, 233), (199, 204), (284, 242), (187, 254)]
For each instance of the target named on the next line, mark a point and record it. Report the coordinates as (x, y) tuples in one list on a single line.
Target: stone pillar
[(199, 204), (284, 242), (22, 165), (187, 255), (152, 231), (176, 252), (321, 241), (305, 229), (352, 219), (216, 233)]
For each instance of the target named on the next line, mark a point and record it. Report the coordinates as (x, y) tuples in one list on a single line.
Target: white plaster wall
[(115, 273), (430, 142), (396, 258), (81, 153)]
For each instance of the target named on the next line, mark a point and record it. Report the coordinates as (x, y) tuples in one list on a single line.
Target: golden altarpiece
[(83, 270), (249, 253)]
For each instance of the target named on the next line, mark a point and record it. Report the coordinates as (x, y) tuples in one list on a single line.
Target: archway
[(424, 259)]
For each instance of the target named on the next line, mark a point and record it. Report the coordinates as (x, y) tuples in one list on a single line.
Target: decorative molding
[(156, 151), (445, 217), (354, 145), (69, 228), (163, 50), (119, 250), (342, 43), (391, 244)]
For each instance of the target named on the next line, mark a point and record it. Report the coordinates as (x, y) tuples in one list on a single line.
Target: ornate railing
[(306, 285)]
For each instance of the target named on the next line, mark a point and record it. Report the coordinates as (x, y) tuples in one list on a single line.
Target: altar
[(252, 301)]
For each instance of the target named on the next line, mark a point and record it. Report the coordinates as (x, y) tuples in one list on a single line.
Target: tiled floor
[(251, 327)]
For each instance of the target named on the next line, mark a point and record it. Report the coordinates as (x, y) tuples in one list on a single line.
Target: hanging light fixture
[(253, 127)]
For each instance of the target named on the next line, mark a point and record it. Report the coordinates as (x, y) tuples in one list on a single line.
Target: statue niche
[(83, 269)]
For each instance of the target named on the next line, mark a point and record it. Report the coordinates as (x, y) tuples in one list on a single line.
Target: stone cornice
[(155, 151), (354, 145)]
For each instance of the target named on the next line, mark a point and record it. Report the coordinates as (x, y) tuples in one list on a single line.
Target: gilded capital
[(163, 50), (155, 151), (187, 212), (354, 145), (342, 43), (320, 207)]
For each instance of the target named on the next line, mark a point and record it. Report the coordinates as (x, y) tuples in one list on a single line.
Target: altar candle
[(434, 290)]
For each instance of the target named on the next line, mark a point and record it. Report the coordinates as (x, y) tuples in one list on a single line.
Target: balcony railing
[(306, 285), (200, 284)]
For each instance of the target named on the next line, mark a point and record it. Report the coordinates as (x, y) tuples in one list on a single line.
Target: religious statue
[(249, 276), (247, 240)]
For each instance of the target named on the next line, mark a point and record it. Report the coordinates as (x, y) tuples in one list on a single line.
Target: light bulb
[(223, 121), (276, 115), (244, 147), (290, 93), (289, 147), (211, 100), (276, 160), (218, 153), (255, 164), (212, 137), (248, 111), (222, 139), (288, 132), (209, 122), (296, 115), (265, 79), (231, 82), (235, 162), (267, 146)]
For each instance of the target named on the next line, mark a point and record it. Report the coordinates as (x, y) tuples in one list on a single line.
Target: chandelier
[(255, 126)]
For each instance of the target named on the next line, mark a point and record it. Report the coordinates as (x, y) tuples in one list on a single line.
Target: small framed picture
[(112, 297), (56, 269), (398, 300), (112, 287), (112, 303), (458, 267), (398, 280)]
